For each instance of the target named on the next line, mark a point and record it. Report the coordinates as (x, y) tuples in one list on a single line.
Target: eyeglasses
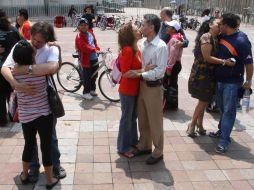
[(217, 12)]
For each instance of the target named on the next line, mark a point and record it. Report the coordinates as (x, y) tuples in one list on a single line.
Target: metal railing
[(134, 7)]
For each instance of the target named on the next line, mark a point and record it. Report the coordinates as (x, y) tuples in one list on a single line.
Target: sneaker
[(93, 93), (59, 172), (87, 96), (220, 149), (215, 134), (33, 174)]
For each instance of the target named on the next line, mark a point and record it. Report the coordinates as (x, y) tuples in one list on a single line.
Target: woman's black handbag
[(55, 102)]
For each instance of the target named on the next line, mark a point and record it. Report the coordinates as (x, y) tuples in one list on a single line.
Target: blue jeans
[(227, 97), (55, 153), (127, 135)]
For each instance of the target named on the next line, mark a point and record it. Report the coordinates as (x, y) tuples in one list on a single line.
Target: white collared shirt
[(154, 52)]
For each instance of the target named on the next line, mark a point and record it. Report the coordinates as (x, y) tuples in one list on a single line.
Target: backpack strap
[(230, 48)]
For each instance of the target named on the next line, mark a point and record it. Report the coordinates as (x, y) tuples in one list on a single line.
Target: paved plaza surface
[(87, 140)]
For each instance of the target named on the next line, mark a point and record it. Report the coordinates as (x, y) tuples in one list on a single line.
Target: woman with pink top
[(174, 58)]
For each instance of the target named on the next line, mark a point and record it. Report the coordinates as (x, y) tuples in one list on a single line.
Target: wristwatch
[(30, 69)]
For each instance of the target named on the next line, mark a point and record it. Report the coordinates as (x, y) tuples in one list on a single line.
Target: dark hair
[(126, 37), (24, 13), (45, 29), (168, 12), (89, 6), (238, 18), (153, 20), (205, 12), (23, 53), (230, 19), (4, 22), (204, 28)]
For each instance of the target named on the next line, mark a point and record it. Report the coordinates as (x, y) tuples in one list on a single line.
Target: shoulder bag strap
[(229, 46), (52, 80)]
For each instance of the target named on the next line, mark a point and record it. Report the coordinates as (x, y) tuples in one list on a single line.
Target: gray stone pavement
[(87, 141)]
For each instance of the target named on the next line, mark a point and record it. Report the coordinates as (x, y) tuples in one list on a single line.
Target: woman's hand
[(230, 63), (149, 67)]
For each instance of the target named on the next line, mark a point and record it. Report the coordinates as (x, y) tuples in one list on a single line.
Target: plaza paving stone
[(88, 135)]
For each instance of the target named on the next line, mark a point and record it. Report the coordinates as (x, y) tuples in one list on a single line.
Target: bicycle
[(70, 78)]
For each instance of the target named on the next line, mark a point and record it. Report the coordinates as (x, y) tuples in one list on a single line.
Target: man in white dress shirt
[(150, 115)]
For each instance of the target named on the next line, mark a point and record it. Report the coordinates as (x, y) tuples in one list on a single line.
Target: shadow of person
[(140, 172), (238, 149), (20, 186), (177, 115)]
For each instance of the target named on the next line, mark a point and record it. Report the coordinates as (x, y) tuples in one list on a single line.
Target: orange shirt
[(25, 30), (129, 61)]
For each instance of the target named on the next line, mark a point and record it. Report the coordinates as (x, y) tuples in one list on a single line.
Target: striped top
[(33, 106)]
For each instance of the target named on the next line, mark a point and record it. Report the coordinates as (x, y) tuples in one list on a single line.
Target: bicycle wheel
[(108, 89), (69, 77)]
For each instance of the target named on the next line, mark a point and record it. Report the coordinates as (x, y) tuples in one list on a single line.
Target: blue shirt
[(242, 46), (93, 56)]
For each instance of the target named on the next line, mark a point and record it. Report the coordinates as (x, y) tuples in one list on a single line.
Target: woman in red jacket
[(130, 59)]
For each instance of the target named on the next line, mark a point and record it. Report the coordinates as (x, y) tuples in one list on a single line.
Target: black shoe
[(3, 123), (220, 149), (33, 175), (52, 185), (59, 172), (24, 181), (138, 152), (151, 160), (215, 134)]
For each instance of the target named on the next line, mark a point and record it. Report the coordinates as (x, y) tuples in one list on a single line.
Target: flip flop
[(127, 154)]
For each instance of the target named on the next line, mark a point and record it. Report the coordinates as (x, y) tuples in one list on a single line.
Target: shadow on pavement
[(238, 150), (140, 172)]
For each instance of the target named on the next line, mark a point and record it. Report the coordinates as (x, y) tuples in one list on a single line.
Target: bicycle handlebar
[(104, 52)]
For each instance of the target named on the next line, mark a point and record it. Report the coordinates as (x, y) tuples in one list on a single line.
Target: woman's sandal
[(127, 154), (191, 131), (200, 130), (23, 181)]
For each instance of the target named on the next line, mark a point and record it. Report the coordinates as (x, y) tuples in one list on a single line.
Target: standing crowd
[(150, 62)]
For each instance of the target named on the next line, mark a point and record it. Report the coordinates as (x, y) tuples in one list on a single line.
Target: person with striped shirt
[(47, 62), (34, 114)]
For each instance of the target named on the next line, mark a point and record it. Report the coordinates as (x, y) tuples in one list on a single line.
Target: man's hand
[(19, 70), (149, 67), (25, 88), (132, 74)]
